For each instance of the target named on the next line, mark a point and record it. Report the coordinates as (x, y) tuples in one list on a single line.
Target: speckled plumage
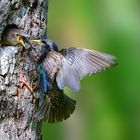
[(57, 106), (65, 68)]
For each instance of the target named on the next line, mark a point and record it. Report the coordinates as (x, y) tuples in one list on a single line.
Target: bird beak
[(22, 42), (28, 43), (21, 37), (25, 41), (35, 41)]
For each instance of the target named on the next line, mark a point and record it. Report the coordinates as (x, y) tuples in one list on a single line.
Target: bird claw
[(24, 83)]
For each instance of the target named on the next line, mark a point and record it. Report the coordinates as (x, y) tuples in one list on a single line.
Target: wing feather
[(72, 64), (79, 63), (52, 63)]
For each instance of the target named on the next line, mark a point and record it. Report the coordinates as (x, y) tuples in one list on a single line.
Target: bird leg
[(24, 83)]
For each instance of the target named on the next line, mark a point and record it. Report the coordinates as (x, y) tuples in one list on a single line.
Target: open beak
[(25, 41), (21, 38), (22, 43)]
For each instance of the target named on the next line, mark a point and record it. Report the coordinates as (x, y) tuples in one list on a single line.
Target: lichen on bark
[(17, 105)]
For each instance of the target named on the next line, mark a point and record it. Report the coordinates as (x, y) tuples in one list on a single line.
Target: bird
[(63, 68), (13, 36)]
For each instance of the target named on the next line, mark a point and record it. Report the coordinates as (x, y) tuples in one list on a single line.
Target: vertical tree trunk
[(17, 104)]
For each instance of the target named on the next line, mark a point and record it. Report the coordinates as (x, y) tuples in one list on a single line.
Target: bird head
[(48, 44), (13, 36), (37, 51), (41, 48)]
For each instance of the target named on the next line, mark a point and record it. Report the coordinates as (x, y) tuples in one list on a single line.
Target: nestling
[(13, 36)]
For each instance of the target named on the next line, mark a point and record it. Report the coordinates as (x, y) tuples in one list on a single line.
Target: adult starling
[(59, 69)]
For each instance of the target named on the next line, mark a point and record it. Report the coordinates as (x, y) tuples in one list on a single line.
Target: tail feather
[(45, 107), (56, 108)]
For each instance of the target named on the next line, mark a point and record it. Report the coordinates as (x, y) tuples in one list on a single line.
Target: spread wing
[(57, 67), (72, 64), (79, 63)]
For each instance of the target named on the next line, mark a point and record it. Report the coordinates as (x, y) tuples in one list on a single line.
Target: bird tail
[(56, 107)]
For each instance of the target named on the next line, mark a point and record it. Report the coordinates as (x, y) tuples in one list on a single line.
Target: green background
[(108, 106)]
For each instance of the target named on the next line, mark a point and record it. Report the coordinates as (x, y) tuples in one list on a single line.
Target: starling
[(59, 69), (13, 36)]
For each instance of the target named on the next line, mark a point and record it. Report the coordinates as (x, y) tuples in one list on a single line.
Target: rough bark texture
[(17, 104)]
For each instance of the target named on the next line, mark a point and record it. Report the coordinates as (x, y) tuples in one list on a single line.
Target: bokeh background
[(108, 106)]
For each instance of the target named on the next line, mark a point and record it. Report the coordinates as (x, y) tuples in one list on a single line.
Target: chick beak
[(22, 42)]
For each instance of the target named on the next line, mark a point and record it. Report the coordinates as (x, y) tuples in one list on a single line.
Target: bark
[(17, 105)]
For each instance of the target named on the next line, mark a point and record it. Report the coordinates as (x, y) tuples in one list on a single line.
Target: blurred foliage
[(108, 106)]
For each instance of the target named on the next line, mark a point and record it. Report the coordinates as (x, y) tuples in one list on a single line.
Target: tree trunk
[(17, 104)]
